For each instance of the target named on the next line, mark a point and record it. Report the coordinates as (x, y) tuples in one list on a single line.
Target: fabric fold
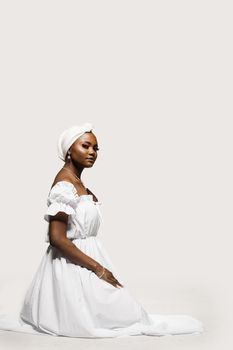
[(62, 197)]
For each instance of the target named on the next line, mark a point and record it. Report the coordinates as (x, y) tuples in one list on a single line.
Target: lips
[(91, 159)]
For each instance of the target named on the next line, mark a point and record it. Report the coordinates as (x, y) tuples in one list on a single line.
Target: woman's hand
[(107, 276)]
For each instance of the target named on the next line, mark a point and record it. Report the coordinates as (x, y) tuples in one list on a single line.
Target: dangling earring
[(68, 157)]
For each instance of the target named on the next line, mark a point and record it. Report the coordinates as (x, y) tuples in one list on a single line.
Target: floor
[(200, 303)]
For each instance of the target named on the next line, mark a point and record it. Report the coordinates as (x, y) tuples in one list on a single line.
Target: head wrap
[(69, 136)]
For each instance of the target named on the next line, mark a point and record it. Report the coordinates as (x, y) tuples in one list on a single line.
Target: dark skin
[(84, 147)]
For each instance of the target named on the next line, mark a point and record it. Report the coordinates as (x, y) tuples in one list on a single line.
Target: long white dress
[(66, 299)]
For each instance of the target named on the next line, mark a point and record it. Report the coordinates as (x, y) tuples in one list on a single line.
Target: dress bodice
[(84, 213)]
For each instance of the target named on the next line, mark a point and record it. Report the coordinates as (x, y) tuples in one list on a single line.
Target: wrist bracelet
[(102, 273)]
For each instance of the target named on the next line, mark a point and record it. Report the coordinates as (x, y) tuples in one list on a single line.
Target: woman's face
[(84, 150)]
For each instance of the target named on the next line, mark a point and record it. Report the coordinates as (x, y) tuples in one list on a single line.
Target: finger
[(113, 283), (117, 282)]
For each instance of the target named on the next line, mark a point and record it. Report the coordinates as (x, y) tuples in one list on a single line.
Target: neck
[(75, 169)]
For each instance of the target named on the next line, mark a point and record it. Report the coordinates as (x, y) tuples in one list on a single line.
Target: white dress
[(66, 299)]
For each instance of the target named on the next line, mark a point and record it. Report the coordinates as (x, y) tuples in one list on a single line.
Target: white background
[(155, 80)]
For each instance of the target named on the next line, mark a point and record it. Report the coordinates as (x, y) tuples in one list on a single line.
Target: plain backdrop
[(155, 80)]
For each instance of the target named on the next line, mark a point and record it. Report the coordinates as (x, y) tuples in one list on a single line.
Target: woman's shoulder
[(62, 179), (62, 184)]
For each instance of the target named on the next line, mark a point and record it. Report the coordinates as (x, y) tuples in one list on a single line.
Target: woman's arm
[(58, 239)]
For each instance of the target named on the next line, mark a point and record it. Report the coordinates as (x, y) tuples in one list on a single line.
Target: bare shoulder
[(62, 176)]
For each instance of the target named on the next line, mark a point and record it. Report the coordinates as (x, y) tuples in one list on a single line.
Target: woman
[(76, 291)]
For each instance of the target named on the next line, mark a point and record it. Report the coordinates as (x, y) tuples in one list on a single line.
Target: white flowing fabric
[(66, 299)]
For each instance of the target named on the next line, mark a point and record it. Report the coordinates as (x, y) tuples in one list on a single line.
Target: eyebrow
[(90, 143)]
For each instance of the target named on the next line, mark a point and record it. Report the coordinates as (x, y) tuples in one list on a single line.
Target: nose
[(92, 155)]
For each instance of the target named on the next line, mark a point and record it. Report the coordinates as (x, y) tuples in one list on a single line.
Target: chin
[(89, 165)]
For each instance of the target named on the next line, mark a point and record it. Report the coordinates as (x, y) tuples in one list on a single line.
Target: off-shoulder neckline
[(74, 190)]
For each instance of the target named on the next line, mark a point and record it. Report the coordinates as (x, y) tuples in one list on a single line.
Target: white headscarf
[(69, 136)]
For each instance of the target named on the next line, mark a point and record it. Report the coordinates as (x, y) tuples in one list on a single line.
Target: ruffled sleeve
[(62, 197)]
